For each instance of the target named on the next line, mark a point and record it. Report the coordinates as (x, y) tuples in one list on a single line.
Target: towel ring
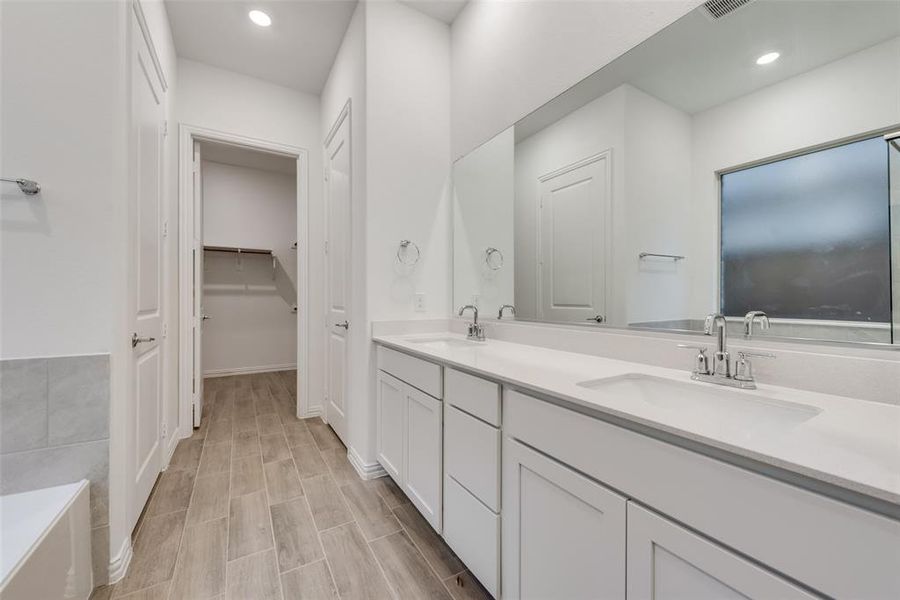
[(404, 249), (493, 258)]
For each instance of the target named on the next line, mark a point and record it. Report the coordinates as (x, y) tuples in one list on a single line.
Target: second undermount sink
[(445, 341), (699, 403)]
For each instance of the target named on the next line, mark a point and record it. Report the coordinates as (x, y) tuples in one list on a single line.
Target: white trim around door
[(187, 135)]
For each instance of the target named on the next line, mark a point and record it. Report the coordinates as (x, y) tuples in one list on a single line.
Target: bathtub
[(45, 544)]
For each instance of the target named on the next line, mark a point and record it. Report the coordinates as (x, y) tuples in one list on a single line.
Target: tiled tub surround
[(851, 447), (54, 429)]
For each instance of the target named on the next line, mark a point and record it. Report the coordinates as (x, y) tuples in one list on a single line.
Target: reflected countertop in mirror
[(724, 165)]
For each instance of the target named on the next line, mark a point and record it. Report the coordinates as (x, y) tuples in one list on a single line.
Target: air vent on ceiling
[(716, 9)]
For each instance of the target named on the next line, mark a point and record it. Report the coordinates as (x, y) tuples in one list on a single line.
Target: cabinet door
[(423, 456), (391, 403), (563, 534), (669, 562)]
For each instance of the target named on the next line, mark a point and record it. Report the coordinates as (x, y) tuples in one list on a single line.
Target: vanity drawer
[(472, 455), (418, 373), (472, 530), (474, 395)]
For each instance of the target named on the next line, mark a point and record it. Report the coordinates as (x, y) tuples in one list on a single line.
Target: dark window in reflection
[(808, 237)]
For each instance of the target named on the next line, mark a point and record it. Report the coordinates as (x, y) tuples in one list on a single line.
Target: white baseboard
[(312, 411), (118, 566), (365, 470), (248, 370)]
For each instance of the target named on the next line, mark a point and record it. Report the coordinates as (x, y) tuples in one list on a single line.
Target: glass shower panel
[(894, 174)]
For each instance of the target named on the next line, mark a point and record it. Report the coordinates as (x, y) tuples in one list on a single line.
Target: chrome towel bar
[(28, 187), (644, 255)]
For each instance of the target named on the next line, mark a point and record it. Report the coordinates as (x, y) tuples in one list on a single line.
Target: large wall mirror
[(740, 160)]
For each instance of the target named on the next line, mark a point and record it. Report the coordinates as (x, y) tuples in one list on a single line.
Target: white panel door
[(391, 404), (145, 274), (563, 534), (572, 267), (668, 562), (422, 457), (337, 197), (197, 298)]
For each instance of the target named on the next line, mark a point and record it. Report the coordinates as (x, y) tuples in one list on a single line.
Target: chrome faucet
[(750, 318), (512, 310), (476, 331), (721, 360), (718, 368)]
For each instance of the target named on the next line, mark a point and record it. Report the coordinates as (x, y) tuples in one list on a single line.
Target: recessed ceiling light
[(260, 18), (768, 57)]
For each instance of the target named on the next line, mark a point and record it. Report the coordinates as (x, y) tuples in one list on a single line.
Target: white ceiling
[(442, 10), (245, 157), (697, 63), (297, 51)]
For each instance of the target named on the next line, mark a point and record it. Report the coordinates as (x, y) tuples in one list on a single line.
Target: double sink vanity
[(554, 474)]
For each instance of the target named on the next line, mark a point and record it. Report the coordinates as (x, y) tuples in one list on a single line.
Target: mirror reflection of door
[(573, 233)]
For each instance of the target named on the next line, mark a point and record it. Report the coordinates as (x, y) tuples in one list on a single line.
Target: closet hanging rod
[(237, 250)]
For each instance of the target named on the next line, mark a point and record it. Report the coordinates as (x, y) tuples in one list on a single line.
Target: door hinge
[(165, 229), (165, 329), (165, 128), (165, 431), (325, 171), (326, 246)]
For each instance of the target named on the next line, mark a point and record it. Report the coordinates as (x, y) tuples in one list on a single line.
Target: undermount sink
[(723, 407), (445, 342)]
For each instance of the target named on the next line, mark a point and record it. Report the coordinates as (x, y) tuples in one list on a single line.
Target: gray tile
[(441, 558), (296, 538), (282, 481), (355, 571), (325, 501), (298, 434), (200, 572), (100, 554), (269, 424), (159, 591), (254, 577), (309, 461), (246, 476), (324, 435), (370, 510), (389, 490), (187, 455), (78, 399), (341, 469), (246, 443), (210, 499), (406, 570), (34, 469), (250, 529), (274, 447), (173, 492), (216, 458), (309, 582), (155, 551), (23, 404)]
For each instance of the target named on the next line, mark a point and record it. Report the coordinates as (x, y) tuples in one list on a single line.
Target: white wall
[(483, 216), (822, 106), (59, 250), (509, 58), (233, 103), (251, 325)]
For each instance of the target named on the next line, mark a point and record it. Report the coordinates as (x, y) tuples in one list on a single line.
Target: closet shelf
[(237, 250)]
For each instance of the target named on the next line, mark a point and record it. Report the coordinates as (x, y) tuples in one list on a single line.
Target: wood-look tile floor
[(258, 504)]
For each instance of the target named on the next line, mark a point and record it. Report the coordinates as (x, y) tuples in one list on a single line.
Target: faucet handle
[(743, 368), (747, 354), (701, 361)]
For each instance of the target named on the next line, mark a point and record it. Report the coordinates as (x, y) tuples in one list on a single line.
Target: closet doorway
[(243, 269)]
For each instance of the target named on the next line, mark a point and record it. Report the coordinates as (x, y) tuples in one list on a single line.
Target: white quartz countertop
[(849, 443)]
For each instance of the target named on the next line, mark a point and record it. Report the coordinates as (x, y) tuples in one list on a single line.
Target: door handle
[(345, 325), (596, 318), (135, 340), (205, 318)]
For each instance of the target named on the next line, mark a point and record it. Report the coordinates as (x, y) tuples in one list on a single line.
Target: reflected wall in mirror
[(726, 164)]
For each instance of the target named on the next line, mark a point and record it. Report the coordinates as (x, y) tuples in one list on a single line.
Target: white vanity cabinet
[(563, 534), (409, 431), (668, 562), (472, 474)]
